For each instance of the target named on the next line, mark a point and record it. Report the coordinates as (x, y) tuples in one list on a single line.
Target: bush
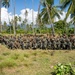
[(20, 31), (61, 69)]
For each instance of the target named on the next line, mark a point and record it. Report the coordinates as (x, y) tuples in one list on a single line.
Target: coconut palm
[(71, 9), (38, 20), (4, 26), (5, 3), (48, 13), (33, 16), (16, 20), (19, 19), (26, 14), (14, 26), (10, 22)]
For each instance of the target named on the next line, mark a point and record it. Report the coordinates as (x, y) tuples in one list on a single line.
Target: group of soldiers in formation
[(44, 42)]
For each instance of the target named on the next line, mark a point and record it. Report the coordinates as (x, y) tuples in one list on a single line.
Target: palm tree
[(4, 3), (10, 22), (71, 9), (26, 14), (33, 16), (38, 20), (5, 26), (14, 27), (48, 13), (73, 22), (15, 20), (19, 19)]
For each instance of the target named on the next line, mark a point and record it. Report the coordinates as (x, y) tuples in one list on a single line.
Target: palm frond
[(65, 4)]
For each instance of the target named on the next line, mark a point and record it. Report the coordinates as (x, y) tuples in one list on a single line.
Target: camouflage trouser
[(42, 46), (55, 46), (10, 46), (34, 46), (73, 46), (64, 46), (61, 46), (49, 46), (22, 46), (27, 46), (70, 46), (58, 47), (0, 41)]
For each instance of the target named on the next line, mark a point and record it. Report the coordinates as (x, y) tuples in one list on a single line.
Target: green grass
[(32, 62), (6, 53)]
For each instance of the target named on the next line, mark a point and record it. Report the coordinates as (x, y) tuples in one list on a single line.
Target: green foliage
[(61, 69), (71, 30), (61, 27), (20, 31), (9, 29)]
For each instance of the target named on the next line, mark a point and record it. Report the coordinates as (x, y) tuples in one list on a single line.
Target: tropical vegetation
[(45, 22)]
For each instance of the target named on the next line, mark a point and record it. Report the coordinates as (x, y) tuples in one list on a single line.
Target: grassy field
[(32, 62)]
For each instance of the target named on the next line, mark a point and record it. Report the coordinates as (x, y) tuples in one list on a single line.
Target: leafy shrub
[(20, 31), (61, 69)]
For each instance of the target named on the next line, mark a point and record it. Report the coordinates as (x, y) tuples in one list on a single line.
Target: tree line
[(46, 16)]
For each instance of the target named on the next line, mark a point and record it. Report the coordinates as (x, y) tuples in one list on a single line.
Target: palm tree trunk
[(9, 22), (39, 11), (38, 14), (14, 19), (0, 17), (50, 21), (33, 17), (25, 17)]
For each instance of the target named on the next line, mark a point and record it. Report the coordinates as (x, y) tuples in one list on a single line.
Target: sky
[(21, 6)]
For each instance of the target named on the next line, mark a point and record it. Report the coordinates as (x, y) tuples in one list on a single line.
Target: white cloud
[(5, 17), (29, 17), (62, 17)]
